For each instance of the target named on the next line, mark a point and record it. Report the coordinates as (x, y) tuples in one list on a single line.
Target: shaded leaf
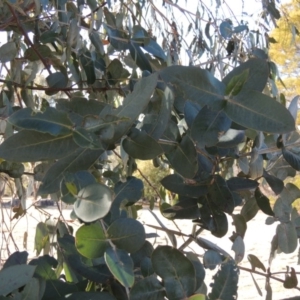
[(138, 144), (287, 237), (291, 280), (56, 81), (208, 126), (249, 209), (241, 184), (88, 67), (292, 158), (50, 121), (225, 282), (184, 158), (176, 271), (8, 52), (176, 184), (221, 195), (139, 57), (148, 288), (263, 203), (211, 259), (127, 234), (275, 183), (184, 209)]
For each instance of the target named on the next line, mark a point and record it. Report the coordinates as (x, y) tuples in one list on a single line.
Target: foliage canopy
[(89, 88)]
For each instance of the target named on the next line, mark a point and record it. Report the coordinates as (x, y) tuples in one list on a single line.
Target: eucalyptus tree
[(90, 82)]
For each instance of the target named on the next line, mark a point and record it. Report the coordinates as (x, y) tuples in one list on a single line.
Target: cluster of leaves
[(197, 122)]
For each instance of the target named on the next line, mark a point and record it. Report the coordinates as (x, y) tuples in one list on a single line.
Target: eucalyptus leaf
[(8, 52), (56, 81), (14, 277), (93, 202), (258, 111), (193, 84), (50, 121), (139, 144), (120, 265), (127, 234), (287, 237), (91, 241), (176, 271), (78, 159)]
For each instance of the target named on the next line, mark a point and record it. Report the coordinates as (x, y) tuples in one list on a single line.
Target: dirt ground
[(257, 240)]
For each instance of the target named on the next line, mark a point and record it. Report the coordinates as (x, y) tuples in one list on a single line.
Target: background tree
[(126, 95), (284, 47)]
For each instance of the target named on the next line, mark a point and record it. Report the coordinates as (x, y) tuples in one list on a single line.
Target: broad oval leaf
[(146, 289), (91, 241), (287, 237), (56, 81), (176, 270), (51, 121), (258, 111), (127, 234), (8, 52), (140, 145), (93, 202), (226, 29), (14, 277), (211, 259), (120, 265)]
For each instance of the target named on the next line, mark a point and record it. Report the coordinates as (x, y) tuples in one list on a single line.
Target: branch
[(267, 275), (27, 39), (67, 89)]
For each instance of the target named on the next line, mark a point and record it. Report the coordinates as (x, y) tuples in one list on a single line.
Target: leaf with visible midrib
[(80, 159), (30, 146), (258, 111), (51, 121), (194, 84), (176, 270), (225, 282)]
